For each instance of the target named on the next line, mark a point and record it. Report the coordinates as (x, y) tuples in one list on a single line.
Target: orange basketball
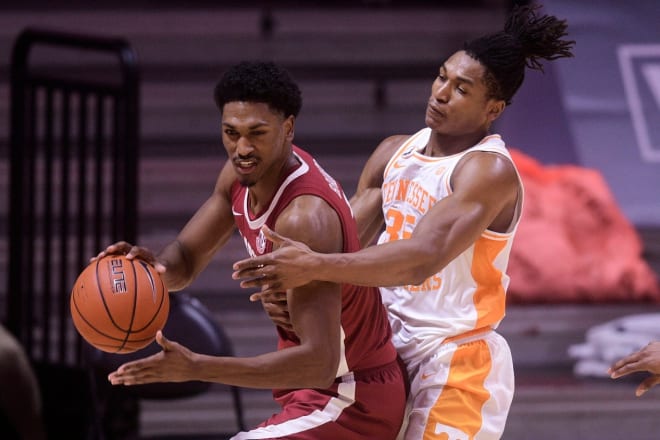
[(118, 305)]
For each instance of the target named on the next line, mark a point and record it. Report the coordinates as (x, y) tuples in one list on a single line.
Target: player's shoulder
[(321, 231), (392, 143), (296, 212), (489, 168), (487, 160), (386, 150)]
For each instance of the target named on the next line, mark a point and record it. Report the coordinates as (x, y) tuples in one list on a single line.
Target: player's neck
[(262, 192)]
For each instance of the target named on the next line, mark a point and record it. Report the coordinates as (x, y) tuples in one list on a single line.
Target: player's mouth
[(434, 112), (245, 166)]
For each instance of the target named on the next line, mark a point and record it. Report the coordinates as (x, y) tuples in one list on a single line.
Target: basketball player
[(647, 359), (450, 198), (334, 377)]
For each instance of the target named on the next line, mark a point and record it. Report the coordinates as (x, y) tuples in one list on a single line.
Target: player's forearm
[(179, 273), (270, 370), (396, 263)]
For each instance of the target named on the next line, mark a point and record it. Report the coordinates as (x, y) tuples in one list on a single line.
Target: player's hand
[(647, 384), (175, 363), (132, 251), (276, 308), (646, 359), (291, 265)]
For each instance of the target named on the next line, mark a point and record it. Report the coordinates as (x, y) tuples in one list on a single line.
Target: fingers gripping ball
[(118, 305)]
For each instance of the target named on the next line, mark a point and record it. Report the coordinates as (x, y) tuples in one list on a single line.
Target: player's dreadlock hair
[(526, 38), (265, 82)]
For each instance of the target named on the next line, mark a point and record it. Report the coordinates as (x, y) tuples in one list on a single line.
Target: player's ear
[(495, 109), (289, 127)]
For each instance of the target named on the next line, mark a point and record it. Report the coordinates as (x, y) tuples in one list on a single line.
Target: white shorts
[(464, 390)]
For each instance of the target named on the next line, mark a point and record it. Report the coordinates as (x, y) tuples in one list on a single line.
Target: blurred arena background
[(365, 69)]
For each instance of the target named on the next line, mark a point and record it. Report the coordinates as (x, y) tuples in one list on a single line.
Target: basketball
[(118, 305)]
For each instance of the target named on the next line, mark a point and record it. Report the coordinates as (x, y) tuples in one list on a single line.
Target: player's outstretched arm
[(205, 233), (486, 184), (294, 264), (175, 363), (180, 261), (645, 360)]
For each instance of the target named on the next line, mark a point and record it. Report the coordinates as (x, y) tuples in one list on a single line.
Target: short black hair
[(259, 81), (526, 38)]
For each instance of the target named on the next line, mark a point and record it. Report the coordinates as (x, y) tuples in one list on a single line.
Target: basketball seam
[(162, 297), (96, 329), (135, 294)]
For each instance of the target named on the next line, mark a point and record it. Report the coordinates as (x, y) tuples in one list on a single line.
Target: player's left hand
[(175, 363), (287, 267), (277, 308)]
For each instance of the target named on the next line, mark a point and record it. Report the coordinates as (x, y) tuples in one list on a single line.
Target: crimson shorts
[(364, 405)]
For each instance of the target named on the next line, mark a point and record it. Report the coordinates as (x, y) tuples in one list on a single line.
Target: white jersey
[(469, 293)]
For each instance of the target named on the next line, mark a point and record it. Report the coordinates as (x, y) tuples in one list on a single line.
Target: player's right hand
[(132, 251)]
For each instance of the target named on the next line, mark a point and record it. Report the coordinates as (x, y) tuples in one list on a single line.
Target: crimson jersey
[(367, 400), (365, 330)]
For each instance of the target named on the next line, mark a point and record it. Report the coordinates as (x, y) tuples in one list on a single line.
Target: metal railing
[(73, 178)]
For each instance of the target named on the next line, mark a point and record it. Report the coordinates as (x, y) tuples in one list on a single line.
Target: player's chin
[(432, 120), (246, 176), (246, 181)]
